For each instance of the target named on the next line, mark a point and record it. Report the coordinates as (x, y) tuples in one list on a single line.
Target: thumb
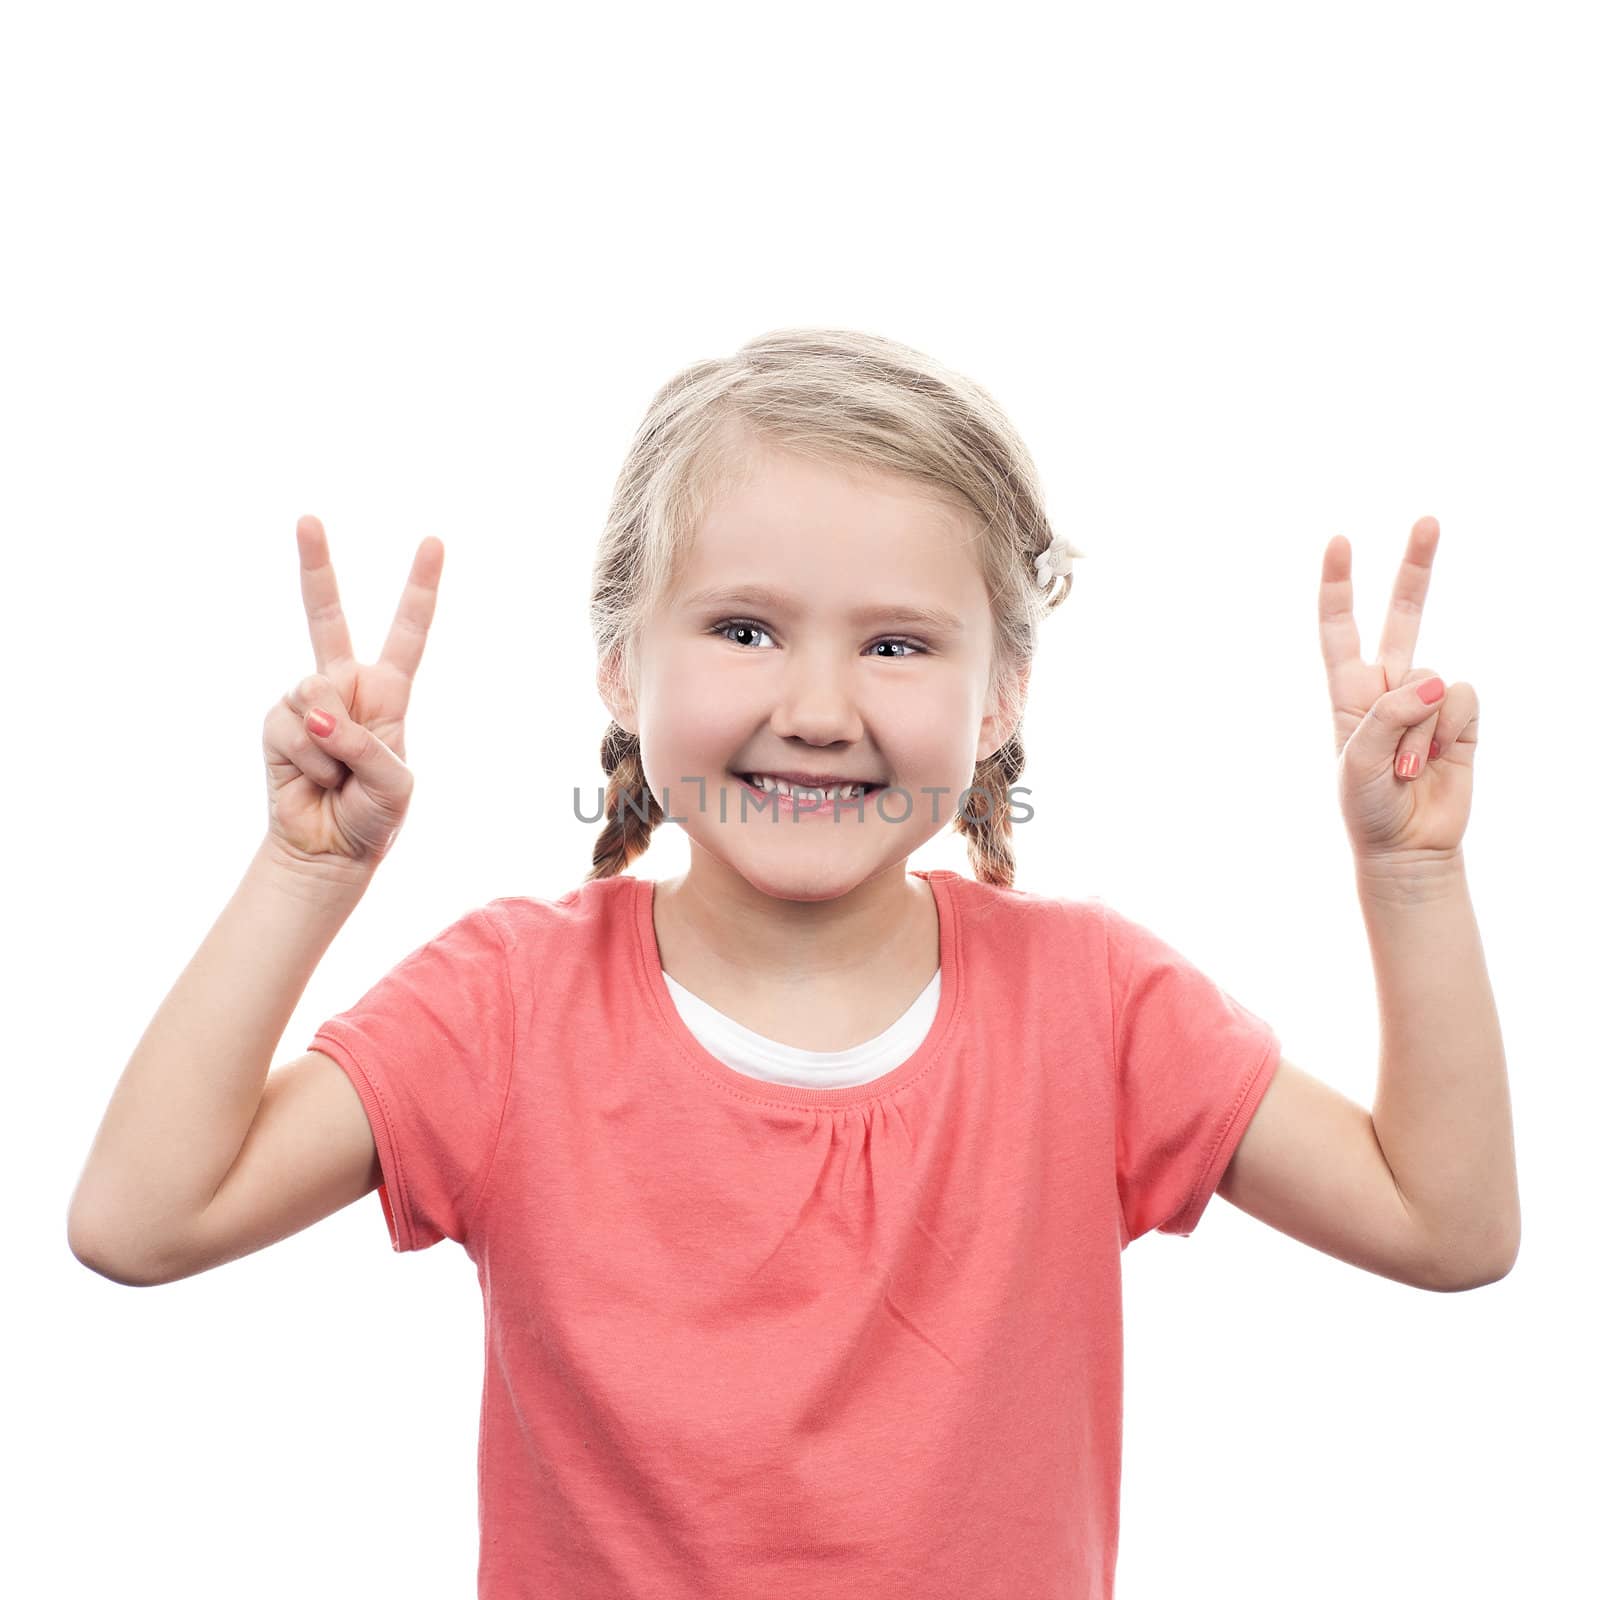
[(1391, 715), (382, 773)]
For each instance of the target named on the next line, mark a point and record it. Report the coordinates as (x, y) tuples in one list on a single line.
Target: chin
[(811, 880)]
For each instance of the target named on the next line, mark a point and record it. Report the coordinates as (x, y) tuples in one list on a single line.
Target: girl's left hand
[(1384, 727)]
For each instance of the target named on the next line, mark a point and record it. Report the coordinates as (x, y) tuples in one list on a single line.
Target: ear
[(995, 731), (614, 692)]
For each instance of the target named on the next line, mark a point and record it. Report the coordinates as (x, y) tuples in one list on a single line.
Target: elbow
[(1481, 1274), (1502, 1266), (1506, 1257), (105, 1264)]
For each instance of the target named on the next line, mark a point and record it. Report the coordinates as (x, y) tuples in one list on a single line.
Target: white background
[(1244, 277)]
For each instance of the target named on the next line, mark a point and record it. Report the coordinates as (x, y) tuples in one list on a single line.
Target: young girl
[(797, 1186)]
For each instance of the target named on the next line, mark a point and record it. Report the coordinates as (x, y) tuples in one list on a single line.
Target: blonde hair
[(845, 398)]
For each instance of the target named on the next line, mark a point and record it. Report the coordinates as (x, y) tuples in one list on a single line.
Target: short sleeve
[(428, 1048), (1191, 1064)]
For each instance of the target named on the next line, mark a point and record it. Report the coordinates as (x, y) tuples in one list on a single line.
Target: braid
[(985, 818), (632, 810)]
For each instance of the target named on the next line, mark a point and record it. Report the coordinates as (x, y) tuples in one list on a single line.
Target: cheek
[(932, 727), (698, 732)]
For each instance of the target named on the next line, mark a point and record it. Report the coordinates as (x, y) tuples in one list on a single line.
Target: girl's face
[(827, 622)]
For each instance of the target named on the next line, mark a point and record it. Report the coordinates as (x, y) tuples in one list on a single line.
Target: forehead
[(834, 536)]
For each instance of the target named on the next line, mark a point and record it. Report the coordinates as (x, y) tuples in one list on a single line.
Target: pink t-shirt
[(752, 1339)]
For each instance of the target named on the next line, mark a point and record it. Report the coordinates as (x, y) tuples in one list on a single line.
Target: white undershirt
[(757, 1056)]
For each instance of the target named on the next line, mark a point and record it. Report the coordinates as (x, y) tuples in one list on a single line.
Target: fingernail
[(1433, 748), (1409, 765), (320, 723), (1430, 691)]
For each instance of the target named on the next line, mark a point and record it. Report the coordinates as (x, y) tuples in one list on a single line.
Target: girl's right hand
[(337, 800)]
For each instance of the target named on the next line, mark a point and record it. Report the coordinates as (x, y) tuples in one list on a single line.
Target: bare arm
[(337, 789), (1443, 1105), (1407, 741), (186, 1099)]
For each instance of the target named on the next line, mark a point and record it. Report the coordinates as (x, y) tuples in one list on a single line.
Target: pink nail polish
[(1430, 691), (1408, 765)]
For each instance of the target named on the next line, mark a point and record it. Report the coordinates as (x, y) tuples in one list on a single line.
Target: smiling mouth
[(748, 779)]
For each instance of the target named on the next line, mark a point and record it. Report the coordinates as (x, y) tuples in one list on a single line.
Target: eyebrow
[(758, 595)]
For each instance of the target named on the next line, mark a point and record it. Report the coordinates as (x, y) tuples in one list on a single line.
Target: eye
[(748, 627), (910, 646)]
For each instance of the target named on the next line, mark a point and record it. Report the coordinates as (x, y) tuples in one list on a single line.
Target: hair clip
[(1056, 562)]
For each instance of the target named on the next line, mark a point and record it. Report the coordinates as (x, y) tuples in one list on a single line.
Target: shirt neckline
[(695, 1055), (917, 1017)]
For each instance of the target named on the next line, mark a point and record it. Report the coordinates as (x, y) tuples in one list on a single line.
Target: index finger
[(330, 636), (1336, 619), (1403, 623), (408, 633)]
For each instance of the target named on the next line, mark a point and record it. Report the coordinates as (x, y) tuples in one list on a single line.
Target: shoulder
[(1018, 930), (1023, 910), (580, 924)]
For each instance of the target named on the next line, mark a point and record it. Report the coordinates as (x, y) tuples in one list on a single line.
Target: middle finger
[(1403, 623), (408, 633)]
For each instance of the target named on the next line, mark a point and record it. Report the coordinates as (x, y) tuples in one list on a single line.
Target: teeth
[(840, 791)]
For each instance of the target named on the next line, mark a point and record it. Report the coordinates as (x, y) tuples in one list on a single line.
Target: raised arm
[(1423, 1187), (189, 1095)]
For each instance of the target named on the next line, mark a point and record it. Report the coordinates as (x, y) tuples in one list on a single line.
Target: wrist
[(1411, 876), (305, 877)]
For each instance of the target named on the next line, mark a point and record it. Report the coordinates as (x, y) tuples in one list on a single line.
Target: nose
[(816, 701)]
